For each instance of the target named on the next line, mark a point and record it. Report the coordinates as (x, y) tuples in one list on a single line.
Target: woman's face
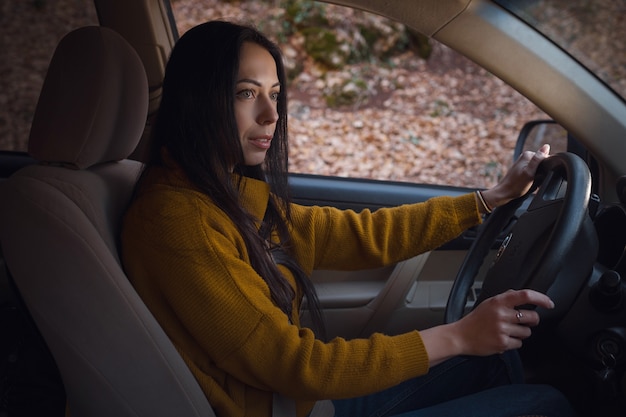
[(256, 96)]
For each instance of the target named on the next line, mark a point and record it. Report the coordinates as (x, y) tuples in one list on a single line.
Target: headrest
[(94, 101)]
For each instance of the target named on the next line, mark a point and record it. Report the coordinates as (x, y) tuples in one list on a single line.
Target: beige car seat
[(59, 226)]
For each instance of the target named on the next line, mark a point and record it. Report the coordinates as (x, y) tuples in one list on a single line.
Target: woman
[(222, 258)]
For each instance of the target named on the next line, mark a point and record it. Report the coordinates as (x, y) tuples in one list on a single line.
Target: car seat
[(59, 227)]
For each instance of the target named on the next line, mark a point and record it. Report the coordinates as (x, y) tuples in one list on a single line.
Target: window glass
[(370, 99), (593, 31), (29, 32)]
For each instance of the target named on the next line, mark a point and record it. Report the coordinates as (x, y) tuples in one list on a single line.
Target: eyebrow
[(248, 80)]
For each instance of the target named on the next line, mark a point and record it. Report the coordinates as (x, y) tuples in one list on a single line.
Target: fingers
[(541, 152), (528, 318), (518, 180), (519, 332), (500, 324), (537, 157), (519, 321), (512, 298)]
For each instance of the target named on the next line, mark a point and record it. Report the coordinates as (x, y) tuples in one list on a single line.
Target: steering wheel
[(536, 243)]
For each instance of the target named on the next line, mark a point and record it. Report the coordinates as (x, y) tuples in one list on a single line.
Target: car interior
[(75, 196), (62, 201)]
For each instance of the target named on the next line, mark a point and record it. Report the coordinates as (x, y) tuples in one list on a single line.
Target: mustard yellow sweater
[(189, 264)]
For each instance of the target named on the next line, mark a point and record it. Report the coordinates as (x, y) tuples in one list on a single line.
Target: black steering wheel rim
[(569, 212)]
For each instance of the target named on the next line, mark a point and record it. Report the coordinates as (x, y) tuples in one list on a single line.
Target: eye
[(245, 94), (274, 96)]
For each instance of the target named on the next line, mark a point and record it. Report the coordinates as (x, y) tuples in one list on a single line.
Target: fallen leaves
[(441, 121), (435, 124)]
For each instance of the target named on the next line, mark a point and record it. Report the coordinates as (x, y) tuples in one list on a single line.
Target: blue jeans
[(463, 386)]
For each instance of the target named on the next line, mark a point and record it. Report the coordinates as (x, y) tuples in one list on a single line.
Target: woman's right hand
[(495, 326)]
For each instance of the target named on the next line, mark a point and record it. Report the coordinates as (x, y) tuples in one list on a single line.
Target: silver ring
[(519, 316)]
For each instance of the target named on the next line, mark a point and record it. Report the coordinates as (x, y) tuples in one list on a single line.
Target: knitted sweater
[(189, 264)]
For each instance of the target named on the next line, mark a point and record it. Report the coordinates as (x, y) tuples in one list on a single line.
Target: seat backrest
[(59, 227)]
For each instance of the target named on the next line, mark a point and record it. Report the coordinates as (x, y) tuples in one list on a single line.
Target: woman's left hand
[(517, 180)]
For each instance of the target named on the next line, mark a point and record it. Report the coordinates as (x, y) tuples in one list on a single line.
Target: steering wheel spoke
[(522, 250)]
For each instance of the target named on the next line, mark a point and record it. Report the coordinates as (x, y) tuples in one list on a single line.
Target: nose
[(268, 113)]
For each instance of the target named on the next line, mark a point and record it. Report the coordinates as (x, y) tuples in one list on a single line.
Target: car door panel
[(411, 294)]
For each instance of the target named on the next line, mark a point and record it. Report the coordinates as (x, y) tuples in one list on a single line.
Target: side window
[(29, 32), (368, 98)]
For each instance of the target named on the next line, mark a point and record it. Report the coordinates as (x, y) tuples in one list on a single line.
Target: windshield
[(592, 31)]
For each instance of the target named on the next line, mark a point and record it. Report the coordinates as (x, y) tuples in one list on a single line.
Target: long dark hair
[(197, 126)]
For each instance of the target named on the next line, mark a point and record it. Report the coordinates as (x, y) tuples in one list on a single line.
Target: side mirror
[(536, 133)]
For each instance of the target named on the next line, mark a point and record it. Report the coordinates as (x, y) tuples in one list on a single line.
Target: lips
[(262, 142)]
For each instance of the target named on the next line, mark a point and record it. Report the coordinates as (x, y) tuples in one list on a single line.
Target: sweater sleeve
[(328, 238), (189, 265)]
